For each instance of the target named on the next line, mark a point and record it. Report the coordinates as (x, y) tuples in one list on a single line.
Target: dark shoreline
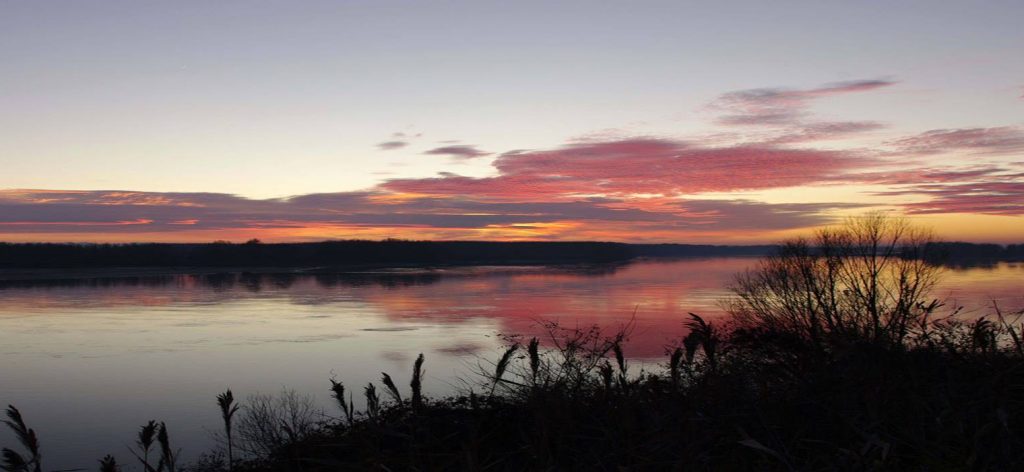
[(46, 261), (343, 255), (18, 275)]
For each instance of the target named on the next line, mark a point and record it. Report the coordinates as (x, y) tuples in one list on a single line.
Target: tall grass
[(726, 398)]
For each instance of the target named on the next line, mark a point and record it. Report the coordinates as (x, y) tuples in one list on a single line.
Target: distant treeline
[(960, 252), (402, 252), (345, 253)]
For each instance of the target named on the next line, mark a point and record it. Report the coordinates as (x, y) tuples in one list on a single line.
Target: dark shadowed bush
[(867, 280), (270, 422)]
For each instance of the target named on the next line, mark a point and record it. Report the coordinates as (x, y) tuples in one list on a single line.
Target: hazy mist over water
[(114, 352)]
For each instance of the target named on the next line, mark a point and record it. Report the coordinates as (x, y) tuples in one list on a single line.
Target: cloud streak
[(121, 212), (778, 106), (390, 145), (989, 141)]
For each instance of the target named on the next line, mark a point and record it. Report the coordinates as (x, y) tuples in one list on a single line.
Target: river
[(88, 360)]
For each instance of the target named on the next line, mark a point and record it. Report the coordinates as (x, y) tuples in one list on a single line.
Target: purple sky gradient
[(724, 121)]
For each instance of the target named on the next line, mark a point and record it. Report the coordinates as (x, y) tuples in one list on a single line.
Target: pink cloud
[(638, 166)]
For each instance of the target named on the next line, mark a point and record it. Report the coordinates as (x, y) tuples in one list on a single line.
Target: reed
[(228, 408), (675, 362), (502, 366), (533, 350), (607, 372), (620, 361), (347, 407), (702, 335), (12, 461), (416, 384), (1014, 328), (168, 456), (109, 464), (144, 442), (392, 389), (372, 402)]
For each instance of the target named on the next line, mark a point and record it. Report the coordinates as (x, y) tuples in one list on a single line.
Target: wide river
[(89, 360)]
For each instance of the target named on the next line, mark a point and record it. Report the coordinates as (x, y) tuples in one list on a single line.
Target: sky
[(707, 122)]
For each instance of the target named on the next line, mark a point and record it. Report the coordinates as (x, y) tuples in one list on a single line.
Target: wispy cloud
[(990, 198), (389, 145), (824, 131), (458, 151), (998, 140), (778, 106)]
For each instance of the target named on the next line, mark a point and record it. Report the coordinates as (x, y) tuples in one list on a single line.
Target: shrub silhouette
[(867, 281)]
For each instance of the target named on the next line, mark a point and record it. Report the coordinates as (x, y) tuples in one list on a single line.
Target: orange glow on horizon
[(958, 227)]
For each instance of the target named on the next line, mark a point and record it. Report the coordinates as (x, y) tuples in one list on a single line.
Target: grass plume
[(392, 389), (502, 366), (228, 408)]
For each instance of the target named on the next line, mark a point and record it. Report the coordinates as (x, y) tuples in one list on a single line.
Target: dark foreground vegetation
[(834, 359), (345, 253)]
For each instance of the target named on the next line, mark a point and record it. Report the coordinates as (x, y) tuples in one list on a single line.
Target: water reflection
[(256, 281), (142, 346)]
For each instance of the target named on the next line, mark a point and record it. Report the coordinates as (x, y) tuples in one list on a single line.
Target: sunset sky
[(705, 122)]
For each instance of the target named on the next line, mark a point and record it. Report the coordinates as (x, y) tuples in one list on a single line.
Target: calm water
[(88, 361)]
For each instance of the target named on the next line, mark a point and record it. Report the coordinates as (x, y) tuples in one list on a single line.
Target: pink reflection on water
[(655, 295)]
